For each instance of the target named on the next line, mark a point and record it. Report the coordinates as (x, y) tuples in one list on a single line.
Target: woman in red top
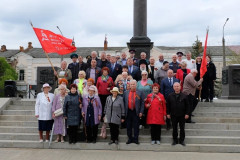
[(104, 85), (155, 103), (182, 73)]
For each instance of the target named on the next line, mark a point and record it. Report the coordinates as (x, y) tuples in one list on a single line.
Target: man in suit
[(167, 88), (93, 72), (82, 66), (103, 62), (123, 60), (132, 54), (134, 108), (133, 70), (93, 57), (73, 67), (115, 69), (178, 111)]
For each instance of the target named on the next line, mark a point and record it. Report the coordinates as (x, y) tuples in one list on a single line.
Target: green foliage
[(197, 48), (6, 73), (218, 87)]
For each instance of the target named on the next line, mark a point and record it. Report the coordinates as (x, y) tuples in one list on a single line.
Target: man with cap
[(74, 67), (132, 54), (179, 57)]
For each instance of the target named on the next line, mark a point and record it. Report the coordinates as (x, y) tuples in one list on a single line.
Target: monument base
[(231, 82), (140, 44)]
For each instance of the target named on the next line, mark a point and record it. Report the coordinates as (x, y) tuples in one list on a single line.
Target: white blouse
[(43, 107)]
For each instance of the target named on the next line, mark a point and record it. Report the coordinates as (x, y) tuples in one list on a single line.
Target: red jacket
[(102, 86), (157, 110), (179, 75)]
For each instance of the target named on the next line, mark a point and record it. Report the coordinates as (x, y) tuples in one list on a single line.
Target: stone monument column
[(140, 42)]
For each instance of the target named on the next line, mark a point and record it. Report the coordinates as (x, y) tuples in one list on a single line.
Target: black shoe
[(211, 101), (94, 141), (129, 141), (183, 143), (190, 122), (137, 142), (116, 142), (207, 100), (174, 143), (111, 142)]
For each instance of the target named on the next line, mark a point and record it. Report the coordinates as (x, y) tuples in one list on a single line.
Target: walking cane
[(50, 141)]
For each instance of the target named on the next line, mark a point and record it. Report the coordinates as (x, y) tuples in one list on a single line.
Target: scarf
[(80, 85), (104, 78)]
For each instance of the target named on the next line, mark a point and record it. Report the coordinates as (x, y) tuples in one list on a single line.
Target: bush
[(6, 73)]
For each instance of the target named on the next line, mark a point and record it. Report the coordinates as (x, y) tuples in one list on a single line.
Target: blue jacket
[(114, 72), (139, 102), (166, 87), (136, 74)]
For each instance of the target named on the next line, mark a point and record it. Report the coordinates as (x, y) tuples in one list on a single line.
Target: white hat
[(46, 85), (91, 88), (115, 89)]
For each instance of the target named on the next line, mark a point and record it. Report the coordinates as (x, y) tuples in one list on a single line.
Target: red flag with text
[(54, 43), (203, 68)]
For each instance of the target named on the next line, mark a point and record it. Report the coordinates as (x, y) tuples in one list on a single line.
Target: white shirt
[(191, 64), (158, 64), (43, 108)]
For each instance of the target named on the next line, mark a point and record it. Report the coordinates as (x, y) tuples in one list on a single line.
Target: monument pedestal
[(231, 82)]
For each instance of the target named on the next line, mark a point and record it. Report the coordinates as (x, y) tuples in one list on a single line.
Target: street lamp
[(223, 43)]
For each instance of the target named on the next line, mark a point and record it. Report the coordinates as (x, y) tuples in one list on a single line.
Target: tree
[(6, 73), (197, 48)]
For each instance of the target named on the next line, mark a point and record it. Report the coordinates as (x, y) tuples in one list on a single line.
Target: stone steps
[(164, 147), (123, 138)]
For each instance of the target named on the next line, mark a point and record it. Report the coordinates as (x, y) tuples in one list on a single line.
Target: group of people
[(127, 92)]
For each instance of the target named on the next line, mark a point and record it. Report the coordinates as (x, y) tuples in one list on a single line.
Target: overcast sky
[(170, 23)]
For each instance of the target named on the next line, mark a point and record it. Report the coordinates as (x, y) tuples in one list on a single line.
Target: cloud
[(170, 23)]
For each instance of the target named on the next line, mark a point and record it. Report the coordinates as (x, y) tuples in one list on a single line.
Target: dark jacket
[(136, 74), (114, 72), (97, 73), (71, 109), (178, 107), (90, 60), (166, 87), (210, 75), (174, 66), (100, 64), (82, 67), (139, 102), (74, 69)]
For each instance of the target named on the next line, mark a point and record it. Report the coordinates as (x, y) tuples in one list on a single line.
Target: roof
[(9, 53)]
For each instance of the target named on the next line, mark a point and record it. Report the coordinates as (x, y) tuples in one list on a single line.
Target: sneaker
[(153, 142), (47, 141), (158, 142), (41, 141)]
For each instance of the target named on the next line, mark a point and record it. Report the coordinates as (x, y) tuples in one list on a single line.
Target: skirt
[(45, 125)]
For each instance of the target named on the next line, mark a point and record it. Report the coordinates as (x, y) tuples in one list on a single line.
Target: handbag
[(58, 112)]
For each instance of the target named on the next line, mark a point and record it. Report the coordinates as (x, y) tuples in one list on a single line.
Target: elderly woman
[(182, 73), (43, 111), (145, 86), (155, 103), (104, 85), (72, 112), (90, 82), (81, 81), (61, 81), (59, 121), (92, 112), (114, 114)]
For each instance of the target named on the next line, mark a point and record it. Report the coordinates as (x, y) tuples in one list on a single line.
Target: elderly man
[(82, 65), (174, 65), (191, 64), (161, 73), (143, 56), (93, 57), (63, 72), (115, 69), (189, 88), (134, 107), (133, 70), (103, 62), (93, 72), (159, 63), (123, 60), (178, 111), (120, 76), (151, 69)]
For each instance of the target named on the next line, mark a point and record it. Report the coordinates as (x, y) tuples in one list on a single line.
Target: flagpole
[(46, 55), (62, 35)]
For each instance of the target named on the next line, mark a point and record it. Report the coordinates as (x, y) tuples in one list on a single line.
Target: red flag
[(54, 43), (203, 68)]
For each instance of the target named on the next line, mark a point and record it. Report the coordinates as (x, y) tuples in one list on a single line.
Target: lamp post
[(223, 43)]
